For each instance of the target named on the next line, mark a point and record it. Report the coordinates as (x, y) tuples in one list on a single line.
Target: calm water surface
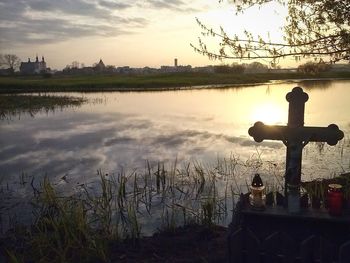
[(121, 131), (126, 129)]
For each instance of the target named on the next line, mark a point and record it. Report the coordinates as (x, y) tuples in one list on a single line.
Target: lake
[(125, 130)]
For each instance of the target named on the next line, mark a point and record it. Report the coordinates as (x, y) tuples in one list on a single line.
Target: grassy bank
[(89, 83)]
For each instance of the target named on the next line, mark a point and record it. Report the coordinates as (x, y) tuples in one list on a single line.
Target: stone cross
[(295, 136)]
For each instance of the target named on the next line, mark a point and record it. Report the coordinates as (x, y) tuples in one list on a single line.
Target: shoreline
[(140, 83)]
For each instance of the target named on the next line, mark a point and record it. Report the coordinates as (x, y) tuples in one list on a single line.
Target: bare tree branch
[(9, 61), (314, 28)]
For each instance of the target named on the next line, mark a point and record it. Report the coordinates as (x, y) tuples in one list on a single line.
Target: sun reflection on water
[(269, 113)]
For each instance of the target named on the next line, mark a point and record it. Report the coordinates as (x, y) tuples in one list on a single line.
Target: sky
[(134, 33)]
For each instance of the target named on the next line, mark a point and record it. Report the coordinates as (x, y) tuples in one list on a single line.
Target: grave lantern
[(257, 197), (335, 199)]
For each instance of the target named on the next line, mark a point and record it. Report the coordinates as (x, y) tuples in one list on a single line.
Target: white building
[(35, 67)]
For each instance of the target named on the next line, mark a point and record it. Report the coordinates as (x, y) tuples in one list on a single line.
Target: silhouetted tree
[(237, 68), (313, 68), (75, 64), (314, 28), (9, 61), (110, 68), (234, 68), (256, 67)]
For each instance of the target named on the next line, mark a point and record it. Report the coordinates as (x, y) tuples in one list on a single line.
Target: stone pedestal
[(275, 235)]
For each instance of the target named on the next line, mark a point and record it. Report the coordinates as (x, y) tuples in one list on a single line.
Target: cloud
[(114, 5), (24, 22), (175, 5), (46, 21), (54, 30)]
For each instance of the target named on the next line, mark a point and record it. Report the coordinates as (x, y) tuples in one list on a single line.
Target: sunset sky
[(135, 33)]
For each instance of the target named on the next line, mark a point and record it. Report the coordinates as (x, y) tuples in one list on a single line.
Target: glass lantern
[(335, 199), (257, 197)]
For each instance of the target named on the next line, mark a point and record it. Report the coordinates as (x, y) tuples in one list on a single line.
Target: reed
[(17, 105), (62, 231), (80, 227)]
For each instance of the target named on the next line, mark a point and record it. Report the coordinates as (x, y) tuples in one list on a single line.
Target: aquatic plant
[(80, 227), (17, 105)]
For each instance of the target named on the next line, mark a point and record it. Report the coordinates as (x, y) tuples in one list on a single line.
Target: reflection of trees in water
[(17, 105), (268, 90), (315, 84)]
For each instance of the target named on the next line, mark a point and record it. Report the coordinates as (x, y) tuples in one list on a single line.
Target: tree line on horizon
[(257, 67), (11, 62)]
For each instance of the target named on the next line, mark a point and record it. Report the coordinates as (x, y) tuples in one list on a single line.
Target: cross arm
[(330, 134)]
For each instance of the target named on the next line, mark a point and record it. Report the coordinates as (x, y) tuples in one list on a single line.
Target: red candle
[(335, 199)]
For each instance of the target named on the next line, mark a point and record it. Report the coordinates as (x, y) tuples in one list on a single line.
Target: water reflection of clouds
[(88, 141), (75, 144), (119, 140), (83, 142), (266, 144), (190, 117)]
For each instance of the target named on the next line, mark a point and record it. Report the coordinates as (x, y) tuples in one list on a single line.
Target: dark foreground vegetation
[(104, 223), (90, 83), (188, 244)]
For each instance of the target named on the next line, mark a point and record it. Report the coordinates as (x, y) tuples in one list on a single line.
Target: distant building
[(170, 69), (100, 66), (176, 68), (123, 70), (206, 69), (35, 67), (77, 71), (148, 70)]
